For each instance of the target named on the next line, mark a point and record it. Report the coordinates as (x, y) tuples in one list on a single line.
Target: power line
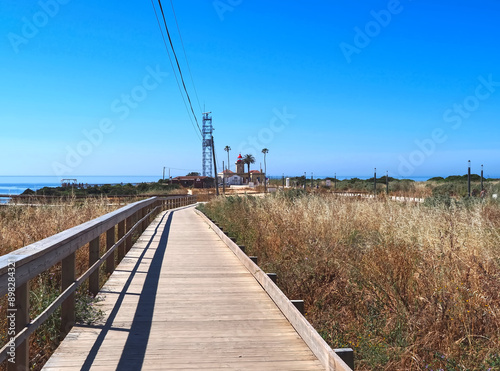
[(185, 56), (178, 65), (198, 134)]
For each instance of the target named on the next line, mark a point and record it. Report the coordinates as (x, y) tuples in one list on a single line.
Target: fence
[(19, 267)]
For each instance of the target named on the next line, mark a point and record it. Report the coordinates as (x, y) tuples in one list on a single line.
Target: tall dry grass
[(407, 286), (23, 225)]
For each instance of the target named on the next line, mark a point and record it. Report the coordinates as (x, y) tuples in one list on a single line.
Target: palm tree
[(265, 151), (248, 159), (227, 149)]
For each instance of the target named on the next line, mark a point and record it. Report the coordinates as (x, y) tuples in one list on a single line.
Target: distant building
[(194, 181), (230, 177), (241, 177)]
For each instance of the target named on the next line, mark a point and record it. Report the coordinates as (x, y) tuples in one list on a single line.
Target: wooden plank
[(180, 299)]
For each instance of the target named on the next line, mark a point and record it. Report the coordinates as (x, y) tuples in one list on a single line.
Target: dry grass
[(407, 286), (23, 225)]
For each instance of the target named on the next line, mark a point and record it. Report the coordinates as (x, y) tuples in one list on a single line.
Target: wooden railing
[(19, 267)]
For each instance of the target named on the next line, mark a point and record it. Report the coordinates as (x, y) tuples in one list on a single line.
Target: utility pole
[(375, 182), (305, 180), (312, 184), (163, 173), (215, 168), (468, 180), (335, 182)]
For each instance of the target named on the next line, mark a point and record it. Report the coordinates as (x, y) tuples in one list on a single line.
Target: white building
[(230, 177)]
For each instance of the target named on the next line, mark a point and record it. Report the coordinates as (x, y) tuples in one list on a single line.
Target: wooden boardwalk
[(181, 299)]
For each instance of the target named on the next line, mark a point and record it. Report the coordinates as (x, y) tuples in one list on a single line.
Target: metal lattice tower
[(207, 144)]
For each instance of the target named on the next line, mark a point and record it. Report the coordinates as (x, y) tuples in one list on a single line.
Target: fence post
[(93, 257), (110, 241), (68, 305), (128, 241), (121, 233), (22, 319), (144, 212), (299, 304)]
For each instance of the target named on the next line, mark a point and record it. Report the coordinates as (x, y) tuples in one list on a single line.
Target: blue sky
[(412, 87)]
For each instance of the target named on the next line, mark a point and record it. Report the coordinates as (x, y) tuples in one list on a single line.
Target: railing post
[(299, 304), (121, 233), (347, 355), (142, 215), (22, 319), (110, 241), (93, 257), (128, 241), (68, 305)]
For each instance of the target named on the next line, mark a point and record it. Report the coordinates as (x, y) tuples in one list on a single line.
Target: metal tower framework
[(207, 145)]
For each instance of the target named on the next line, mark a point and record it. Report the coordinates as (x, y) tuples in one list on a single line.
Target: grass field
[(407, 286)]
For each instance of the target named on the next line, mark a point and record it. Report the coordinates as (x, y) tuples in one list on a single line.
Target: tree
[(193, 173), (227, 149), (248, 159), (265, 151)]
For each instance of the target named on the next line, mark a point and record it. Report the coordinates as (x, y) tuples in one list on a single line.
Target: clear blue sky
[(341, 86)]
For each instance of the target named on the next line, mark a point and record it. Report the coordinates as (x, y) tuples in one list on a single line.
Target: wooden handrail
[(40, 256)]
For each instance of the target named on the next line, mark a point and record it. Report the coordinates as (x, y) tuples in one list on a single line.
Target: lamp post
[(265, 151), (468, 180), (387, 182), (223, 179), (482, 188)]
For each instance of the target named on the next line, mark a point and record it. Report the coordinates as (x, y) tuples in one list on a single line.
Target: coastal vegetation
[(452, 186), (406, 285), (161, 187)]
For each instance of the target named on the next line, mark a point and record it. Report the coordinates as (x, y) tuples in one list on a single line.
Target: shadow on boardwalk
[(138, 336)]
